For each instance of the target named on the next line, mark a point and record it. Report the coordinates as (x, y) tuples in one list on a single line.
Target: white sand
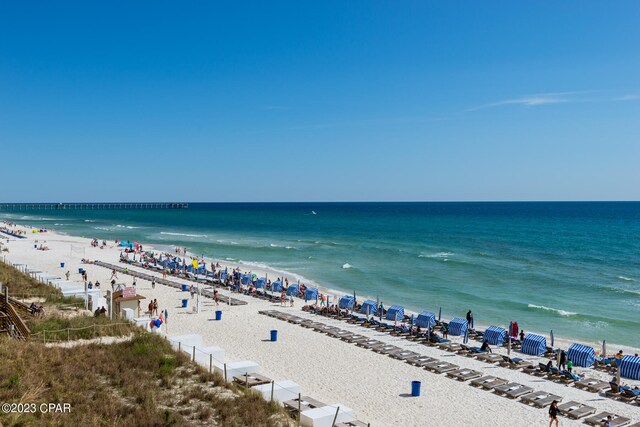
[(375, 386)]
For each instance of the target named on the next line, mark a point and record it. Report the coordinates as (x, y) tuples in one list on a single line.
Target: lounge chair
[(598, 420), (464, 374), (371, 343), (575, 410), (567, 377), (495, 382), (629, 395), (353, 337), (386, 349), (514, 363), (418, 360), (450, 346), (489, 357), (440, 367), (338, 333), (403, 354), (614, 391), (482, 380), (591, 384), (512, 390), (540, 399)]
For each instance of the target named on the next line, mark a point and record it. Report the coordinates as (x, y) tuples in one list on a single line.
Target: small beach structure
[(276, 286), (126, 298), (395, 313), (581, 355), (458, 326), (311, 294), (495, 335), (630, 367), (346, 302), (426, 320), (534, 345), (260, 283), (369, 307), (293, 290)]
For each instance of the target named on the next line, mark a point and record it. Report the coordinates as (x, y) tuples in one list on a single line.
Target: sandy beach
[(375, 386)]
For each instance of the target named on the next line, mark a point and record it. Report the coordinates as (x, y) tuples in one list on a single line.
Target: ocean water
[(570, 267)]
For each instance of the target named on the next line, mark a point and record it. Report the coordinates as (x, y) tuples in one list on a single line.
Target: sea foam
[(555, 310)]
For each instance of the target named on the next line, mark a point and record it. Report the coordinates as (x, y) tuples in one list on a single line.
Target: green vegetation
[(138, 381)]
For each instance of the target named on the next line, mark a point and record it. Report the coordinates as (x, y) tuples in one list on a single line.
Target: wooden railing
[(20, 329)]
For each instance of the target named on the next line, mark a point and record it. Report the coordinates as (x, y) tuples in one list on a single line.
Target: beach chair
[(419, 359), (464, 374), (591, 384), (567, 377), (450, 346), (251, 380), (440, 367), (512, 390), (490, 385), (490, 358), (614, 391), (629, 395), (305, 402), (575, 410), (599, 419), (354, 338), (539, 399), (369, 344), (514, 363), (338, 333), (386, 349), (403, 354), (478, 382)]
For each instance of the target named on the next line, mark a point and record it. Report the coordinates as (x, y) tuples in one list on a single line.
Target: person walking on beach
[(553, 413), (283, 296), (67, 274), (155, 306), (470, 319), (569, 365), (192, 290), (114, 275), (215, 296), (563, 360), (153, 283)]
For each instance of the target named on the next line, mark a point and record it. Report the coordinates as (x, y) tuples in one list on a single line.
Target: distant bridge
[(89, 206)]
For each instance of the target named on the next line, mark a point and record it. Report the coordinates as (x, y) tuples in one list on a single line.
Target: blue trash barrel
[(185, 302), (184, 288), (415, 388), (62, 265), (218, 315), (274, 335)]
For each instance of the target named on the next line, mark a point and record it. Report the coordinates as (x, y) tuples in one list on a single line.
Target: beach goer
[(134, 282), (563, 360), (522, 335), (485, 347), (608, 423), (569, 365), (470, 319), (192, 290), (553, 413), (619, 355), (114, 275), (150, 308), (215, 296), (283, 296), (155, 306), (97, 284), (291, 300), (323, 300), (153, 283), (445, 331), (67, 274)]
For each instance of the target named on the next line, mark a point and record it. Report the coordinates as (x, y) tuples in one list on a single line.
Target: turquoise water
[(570, 267)]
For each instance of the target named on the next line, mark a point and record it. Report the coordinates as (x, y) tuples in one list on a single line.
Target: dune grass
[(142, 381)]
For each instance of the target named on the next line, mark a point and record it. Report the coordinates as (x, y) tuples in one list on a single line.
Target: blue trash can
[(274, 335), (80, 270), (62, 265), (185, 302), (218, 315), (415, 388), (35, 246), (184, 288)]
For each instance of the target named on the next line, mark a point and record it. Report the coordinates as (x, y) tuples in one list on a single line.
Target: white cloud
[(534, 100)]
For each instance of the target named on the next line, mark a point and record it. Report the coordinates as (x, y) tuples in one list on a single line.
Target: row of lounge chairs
[(499, 386), (162, 281)]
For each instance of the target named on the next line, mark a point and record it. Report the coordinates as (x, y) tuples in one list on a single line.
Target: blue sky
[(320, 101)]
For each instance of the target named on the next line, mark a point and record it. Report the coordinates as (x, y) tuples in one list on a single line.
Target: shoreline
[(331, 370), (261, 270)]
